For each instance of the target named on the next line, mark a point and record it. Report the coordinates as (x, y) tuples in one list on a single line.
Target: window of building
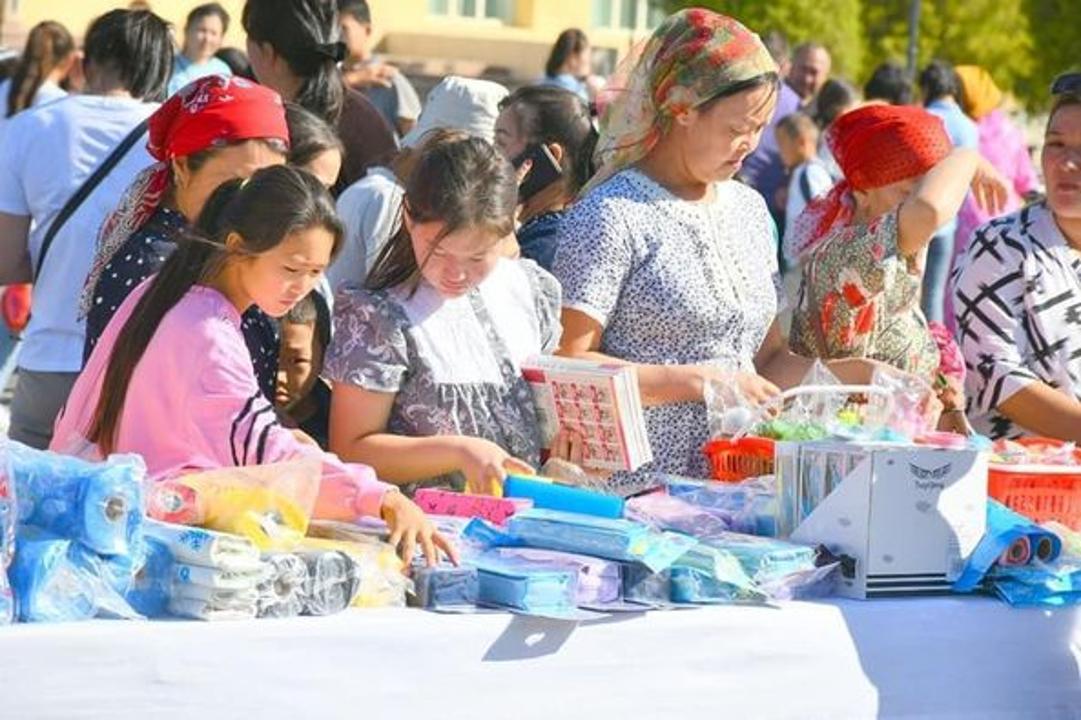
[(500, 10), (633, 15)]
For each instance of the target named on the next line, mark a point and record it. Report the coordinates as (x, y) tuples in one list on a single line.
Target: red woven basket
[(1040, 492), (736, 460)]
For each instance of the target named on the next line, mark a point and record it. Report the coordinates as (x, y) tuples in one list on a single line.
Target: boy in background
[(797, 142)]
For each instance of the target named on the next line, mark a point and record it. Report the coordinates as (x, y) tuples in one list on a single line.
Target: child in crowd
[(861, 247), (171, 378), (426, 357), (300, 394), (808, 177)]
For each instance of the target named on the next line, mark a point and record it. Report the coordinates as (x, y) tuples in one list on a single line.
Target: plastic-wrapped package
[(1050, 584), (813, 583), (333, 581), (269, 504), (199, 546), (623, 540), (712, 574), (218, 578), (1004, 529), (552, 496), (445, 587), (8, 513), (379, 573), (99, 505), (764, 559), (747, 507), (455, 504), (599, 581), (525, 588), (642, 585), (281, 592), (54, 583), (152, 583), (238, 607), (665, 512)]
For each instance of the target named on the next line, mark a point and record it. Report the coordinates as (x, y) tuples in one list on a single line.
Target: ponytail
[(263, 211), (48, 45)]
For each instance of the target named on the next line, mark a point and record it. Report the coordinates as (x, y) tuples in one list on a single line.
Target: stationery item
[(665, 512), (1004, 529), (690, 585), (613, 539), (333, 581), (599, 401), (525, 588), (749, 506), (96, 504), (445, 587), (551, 496), (642, 585), (599, 581), (153, 581), (53, 584), (269, 504), (764, 559), (199, 609), (199, 546), (711, 574), (454, 504)]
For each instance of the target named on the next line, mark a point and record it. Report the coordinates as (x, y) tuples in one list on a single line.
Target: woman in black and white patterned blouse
[(1017, 293)]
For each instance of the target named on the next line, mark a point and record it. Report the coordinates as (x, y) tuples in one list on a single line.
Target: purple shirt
[(763, 169)]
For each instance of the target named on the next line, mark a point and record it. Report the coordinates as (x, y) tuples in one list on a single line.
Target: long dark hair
[(548, 114), (135, 45), (305, 33), (309, 136), (462, 182), (48, 45), (263, 210), (568, 43), (834, 97)]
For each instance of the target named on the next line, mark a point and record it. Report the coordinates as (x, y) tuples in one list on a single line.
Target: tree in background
[(1023, 43)]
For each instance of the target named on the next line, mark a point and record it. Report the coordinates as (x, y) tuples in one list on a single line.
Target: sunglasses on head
[(1067, 83)]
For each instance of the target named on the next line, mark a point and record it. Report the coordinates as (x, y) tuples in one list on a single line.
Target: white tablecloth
[(948, 658)]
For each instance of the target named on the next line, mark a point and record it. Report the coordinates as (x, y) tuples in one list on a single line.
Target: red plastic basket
[(736, 460), (1040, 492)]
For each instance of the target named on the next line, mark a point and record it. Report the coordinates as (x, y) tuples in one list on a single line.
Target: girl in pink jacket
[(171, 377)]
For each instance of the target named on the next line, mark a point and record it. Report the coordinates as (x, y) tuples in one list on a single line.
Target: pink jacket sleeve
[(237, 425)]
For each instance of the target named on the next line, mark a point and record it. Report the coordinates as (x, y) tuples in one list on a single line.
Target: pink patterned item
[(454, 504)]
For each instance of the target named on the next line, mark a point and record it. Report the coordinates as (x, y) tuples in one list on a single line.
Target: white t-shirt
[(370, 209), (48, 92), (45, 156)]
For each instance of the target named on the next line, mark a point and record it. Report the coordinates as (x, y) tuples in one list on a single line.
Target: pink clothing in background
[(1004, 145), (193, 403)]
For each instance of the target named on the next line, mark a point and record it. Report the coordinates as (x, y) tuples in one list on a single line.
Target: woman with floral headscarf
[(666, 262), (861, 247), (211, 131)]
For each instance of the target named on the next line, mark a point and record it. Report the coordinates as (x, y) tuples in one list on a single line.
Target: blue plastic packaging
[(152, 582), (99, 505), (551, 496), (445, 587), (524, 588)]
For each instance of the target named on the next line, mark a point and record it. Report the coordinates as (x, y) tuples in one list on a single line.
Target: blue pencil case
[(599, 581), (97, 504), (527, 589), (445, 587), (764, 559), (614, 539), (551, 496)]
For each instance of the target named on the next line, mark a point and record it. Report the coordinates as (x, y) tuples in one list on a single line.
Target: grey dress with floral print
[(454, 365)]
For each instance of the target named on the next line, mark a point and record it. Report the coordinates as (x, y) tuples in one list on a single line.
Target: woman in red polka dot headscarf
[(861, 247)]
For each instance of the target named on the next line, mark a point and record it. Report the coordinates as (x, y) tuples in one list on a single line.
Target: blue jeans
[(936, 275)]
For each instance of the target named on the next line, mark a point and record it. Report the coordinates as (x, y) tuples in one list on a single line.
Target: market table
[(947, 657)]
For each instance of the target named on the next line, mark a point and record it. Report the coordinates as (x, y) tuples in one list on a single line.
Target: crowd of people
[(239, 258)]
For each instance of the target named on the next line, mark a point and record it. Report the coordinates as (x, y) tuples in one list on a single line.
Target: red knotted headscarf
[(210, 112), (875, 146)]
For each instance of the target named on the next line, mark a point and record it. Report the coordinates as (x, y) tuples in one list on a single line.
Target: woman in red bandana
[(861, 247), (212, 131)]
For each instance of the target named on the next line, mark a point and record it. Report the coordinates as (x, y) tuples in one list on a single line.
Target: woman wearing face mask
[(667, 263), (1017, 297), (426, 357), (214, 130), (171, 379)]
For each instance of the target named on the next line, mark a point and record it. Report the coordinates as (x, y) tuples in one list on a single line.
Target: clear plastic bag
[(57, 580), (379, 571), (281, 592), (747, 507), (271, 505), (98, 504)]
